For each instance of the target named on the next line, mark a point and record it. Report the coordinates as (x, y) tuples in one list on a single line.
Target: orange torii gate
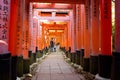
[(105, 39), (95, 36), (99, 35), (116, 54), (56, 28)]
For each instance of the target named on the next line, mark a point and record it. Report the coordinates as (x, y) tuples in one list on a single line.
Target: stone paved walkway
[(54, 67)]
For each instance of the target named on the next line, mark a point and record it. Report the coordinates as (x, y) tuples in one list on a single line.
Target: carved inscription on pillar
[(106, 9), (87, 7), (19, 29), (106, 29), (4, 19)]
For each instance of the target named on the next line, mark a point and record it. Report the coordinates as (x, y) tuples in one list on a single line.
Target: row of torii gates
[(88, 27)]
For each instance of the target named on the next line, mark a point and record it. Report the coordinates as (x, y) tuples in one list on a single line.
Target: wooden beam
[(59, 1)]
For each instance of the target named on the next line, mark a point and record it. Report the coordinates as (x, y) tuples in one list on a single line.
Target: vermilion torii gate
[(89, 31)]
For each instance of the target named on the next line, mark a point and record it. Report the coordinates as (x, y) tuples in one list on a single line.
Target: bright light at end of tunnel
[(35, 17), (34, 3), (62, 4), (51, 30), (44, 20), (59, 30)]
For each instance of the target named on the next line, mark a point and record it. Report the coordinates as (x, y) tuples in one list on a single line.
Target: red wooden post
[(82, 24), (35, 25), (105, 34), (95, 26), (87, 28), (81, 33), (86, 14), (106, 29), (5, 60), (116, 54), (71, 33), (26, 36), (95, 29), (74, 26), (78, 27), (13, 24), (26, 30), (30, 26)]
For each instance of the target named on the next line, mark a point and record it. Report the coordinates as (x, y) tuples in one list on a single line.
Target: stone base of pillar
[(38, 55), (104, 66), (5, 65), (13, 68), (70, 57), (36, 49), (66, 53), (34, 57), (81, 57), (116, 66), (20, 66), (26, 66), (94, 64), (30, 57), (73, 56), (69, 54), (77, 57), (86, 64), (97, 77)]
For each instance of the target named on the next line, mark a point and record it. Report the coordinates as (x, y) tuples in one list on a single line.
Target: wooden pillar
[(82, 8), (116, 54), (78, 27), (79, 56), (72, 26), (69, 33), (40, 36), (31, 26), (26, 36), (81, 22), (65, 36), (43, 28), (5, 60), (35, 25), (95, 29), (31, 39), (13, 24), (105, 34), (86, 35), (26, 28), (15, 35)]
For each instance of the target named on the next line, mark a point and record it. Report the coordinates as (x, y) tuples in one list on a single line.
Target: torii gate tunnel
[(83, 28)]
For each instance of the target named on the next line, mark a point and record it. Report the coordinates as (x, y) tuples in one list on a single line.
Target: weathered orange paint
[(87, 29), (82, 13), (69, 35), (12, 29), (26, 31), (72, 32), (78, 27), (34, 37), (58, 1), (95, 26), (66, 36), (74, 27), (105, 25)]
